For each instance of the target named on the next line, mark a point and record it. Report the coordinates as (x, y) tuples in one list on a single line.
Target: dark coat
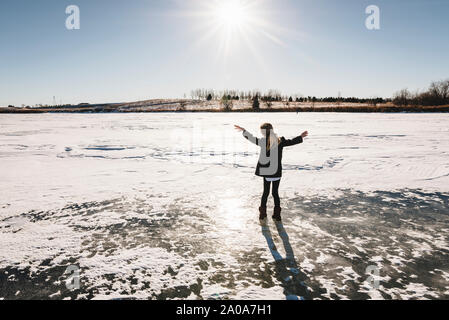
[(270, 161)]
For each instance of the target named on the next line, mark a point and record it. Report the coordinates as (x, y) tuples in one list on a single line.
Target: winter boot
[(262, 213), (277, 214)]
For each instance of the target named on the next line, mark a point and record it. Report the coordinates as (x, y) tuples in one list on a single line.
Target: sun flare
[(232, 13), (234, 26)]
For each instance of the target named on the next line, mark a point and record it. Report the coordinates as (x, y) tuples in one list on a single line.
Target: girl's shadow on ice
[(286, 269)]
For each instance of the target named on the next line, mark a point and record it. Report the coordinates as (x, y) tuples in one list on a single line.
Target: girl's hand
[(239, 128), (304, 134)]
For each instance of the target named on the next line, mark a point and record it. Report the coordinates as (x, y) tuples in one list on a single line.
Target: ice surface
[(164, 206)]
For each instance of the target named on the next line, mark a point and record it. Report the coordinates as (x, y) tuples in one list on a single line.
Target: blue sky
[(142, 49)]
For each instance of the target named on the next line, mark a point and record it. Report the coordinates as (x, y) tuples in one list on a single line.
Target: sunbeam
[(228, 25)]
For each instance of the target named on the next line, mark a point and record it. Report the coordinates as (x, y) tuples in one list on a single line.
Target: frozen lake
[(164, 206)]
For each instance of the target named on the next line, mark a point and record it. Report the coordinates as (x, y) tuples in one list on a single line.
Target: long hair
[(272, 138)]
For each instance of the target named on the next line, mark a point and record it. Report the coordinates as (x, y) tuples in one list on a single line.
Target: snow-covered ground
[(165, 206)]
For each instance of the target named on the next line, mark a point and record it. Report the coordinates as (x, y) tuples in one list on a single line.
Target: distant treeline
[(436, 95), (276, 96), (342, 109)]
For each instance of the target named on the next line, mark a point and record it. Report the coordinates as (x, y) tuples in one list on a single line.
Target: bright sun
[(229, 26), (232, 14)]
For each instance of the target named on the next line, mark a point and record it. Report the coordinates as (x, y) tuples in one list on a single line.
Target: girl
[(269, 165)]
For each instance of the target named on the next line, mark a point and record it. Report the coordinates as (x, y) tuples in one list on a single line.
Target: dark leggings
[(266, 192)]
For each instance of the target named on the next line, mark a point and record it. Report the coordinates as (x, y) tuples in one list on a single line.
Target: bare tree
[(440, 91), (226, 103), (402, 97)]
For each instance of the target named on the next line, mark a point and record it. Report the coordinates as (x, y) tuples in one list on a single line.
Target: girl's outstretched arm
[(294, 141), (247, 135)]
